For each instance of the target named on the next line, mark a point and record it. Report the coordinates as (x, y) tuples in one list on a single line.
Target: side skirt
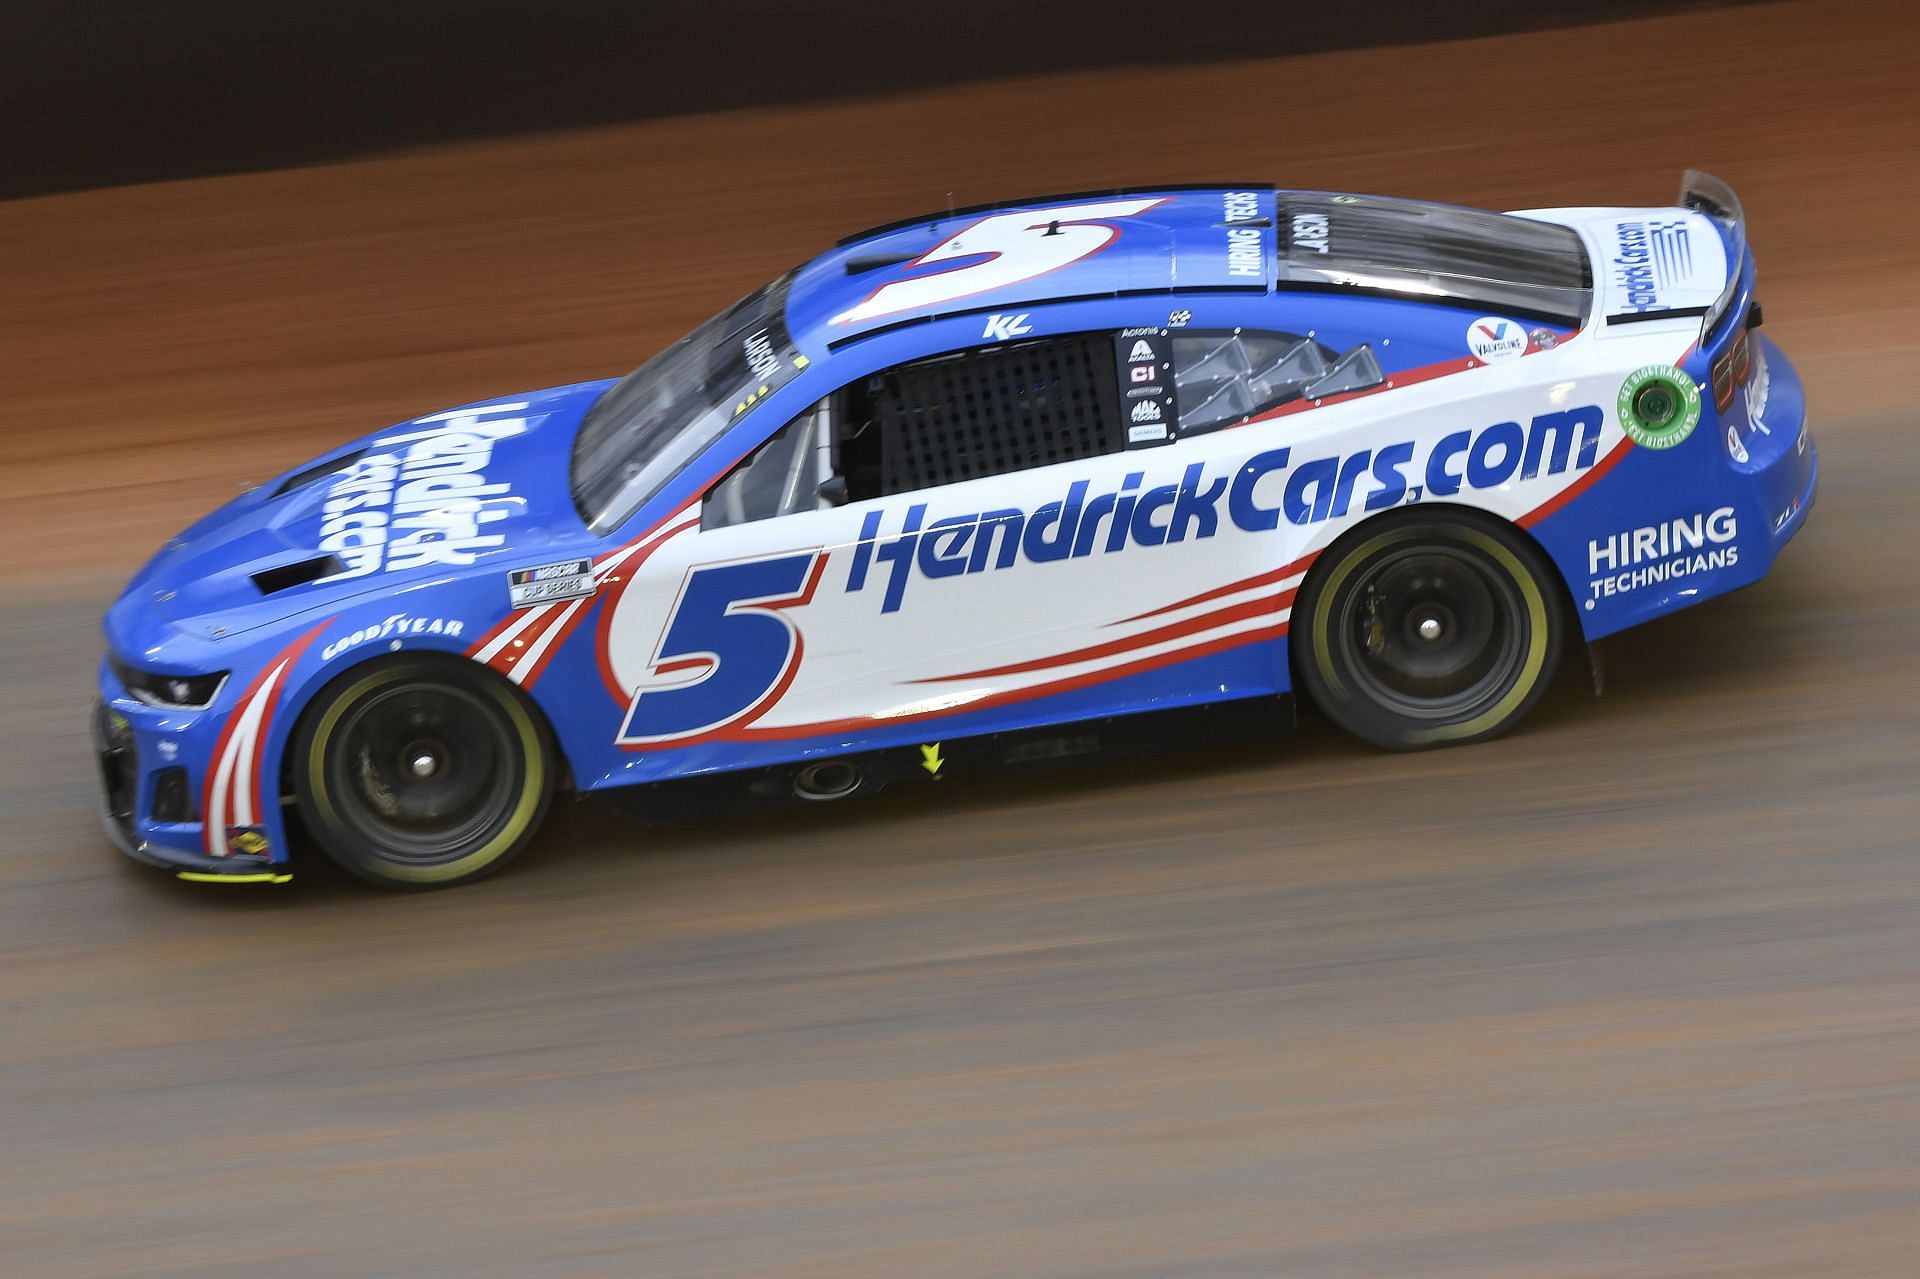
[(1059, 745)]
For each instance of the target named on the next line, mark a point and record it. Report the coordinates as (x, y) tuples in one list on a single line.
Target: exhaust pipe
[(828, 780)]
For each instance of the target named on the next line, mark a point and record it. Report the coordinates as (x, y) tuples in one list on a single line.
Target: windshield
[(657, 419)]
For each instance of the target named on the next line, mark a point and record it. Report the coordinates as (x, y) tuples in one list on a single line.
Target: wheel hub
[(1431, 631), (423, 760), (422, 776)]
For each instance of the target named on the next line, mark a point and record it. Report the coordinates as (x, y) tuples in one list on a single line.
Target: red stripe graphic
[(562, 618), (1280, 574), (214, 823), (1146, 639), (867, 722), (1579, 486)]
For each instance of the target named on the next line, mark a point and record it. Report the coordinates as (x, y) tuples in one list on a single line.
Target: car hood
[(413, 503)]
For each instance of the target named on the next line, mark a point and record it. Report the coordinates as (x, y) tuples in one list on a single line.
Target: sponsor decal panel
[(1659, 406), (1654, 554), (569, 579), (762, 361), (1001, 327), (1246, 245), (1246, 253), (421, 496), (395, 627), (1492, 338), (1310, 233), (1144, 358), (1650, 255), (248, 841), (1200, 504), (1240, 206)]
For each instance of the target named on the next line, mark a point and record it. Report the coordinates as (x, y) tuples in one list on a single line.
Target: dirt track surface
[(1635, 991)]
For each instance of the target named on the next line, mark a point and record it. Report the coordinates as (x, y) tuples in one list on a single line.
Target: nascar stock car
[(960, 483)]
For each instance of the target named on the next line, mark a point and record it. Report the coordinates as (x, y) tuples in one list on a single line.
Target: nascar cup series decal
[(570, 579), (1659, 406)]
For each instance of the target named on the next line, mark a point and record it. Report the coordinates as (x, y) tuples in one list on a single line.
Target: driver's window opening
[(979, 413)]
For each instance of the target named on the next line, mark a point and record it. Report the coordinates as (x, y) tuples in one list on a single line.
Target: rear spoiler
[(1704, 193)]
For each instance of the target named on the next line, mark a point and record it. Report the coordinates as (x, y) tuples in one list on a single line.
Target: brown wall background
[(103, 92)]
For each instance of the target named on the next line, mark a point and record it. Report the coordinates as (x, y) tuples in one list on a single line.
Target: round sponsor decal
[(1659, 406), (1492, 338), (1735, 449)]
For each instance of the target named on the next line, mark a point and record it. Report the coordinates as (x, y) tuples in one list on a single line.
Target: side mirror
[(833, 490)]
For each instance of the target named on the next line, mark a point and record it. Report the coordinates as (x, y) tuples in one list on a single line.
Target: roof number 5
[(1010, 249)]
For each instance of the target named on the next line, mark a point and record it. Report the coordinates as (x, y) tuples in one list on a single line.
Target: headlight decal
[(170, 692)]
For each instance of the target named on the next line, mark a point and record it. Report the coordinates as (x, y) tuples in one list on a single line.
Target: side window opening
[(978, 413), (785, 476), (1221, 379), (998, 409)]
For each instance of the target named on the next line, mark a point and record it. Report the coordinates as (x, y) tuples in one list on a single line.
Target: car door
[(997, 537)]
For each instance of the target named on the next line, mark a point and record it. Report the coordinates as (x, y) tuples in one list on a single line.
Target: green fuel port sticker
[(1659, 406)]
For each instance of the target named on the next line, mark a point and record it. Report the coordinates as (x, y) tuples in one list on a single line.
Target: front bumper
[(134, 803)]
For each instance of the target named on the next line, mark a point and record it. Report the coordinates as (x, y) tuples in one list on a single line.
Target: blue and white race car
[(980, 485)]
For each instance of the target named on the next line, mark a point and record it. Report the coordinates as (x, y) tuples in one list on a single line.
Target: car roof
[(1220, 237), (1025, 252)]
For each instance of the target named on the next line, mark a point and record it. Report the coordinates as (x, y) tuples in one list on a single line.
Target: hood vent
[(285, 577), (319, 470)]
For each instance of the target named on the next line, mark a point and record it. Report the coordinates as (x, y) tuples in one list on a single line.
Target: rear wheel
[(1429, 630), (421, 772)]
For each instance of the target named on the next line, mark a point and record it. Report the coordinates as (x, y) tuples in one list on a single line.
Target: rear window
[(1437, 251)]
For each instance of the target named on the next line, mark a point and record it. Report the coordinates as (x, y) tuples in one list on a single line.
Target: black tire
[(1429, 630), (422, 771)]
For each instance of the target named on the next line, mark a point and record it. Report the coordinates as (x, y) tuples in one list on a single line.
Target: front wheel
[(421, 772), (1429, 630)]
